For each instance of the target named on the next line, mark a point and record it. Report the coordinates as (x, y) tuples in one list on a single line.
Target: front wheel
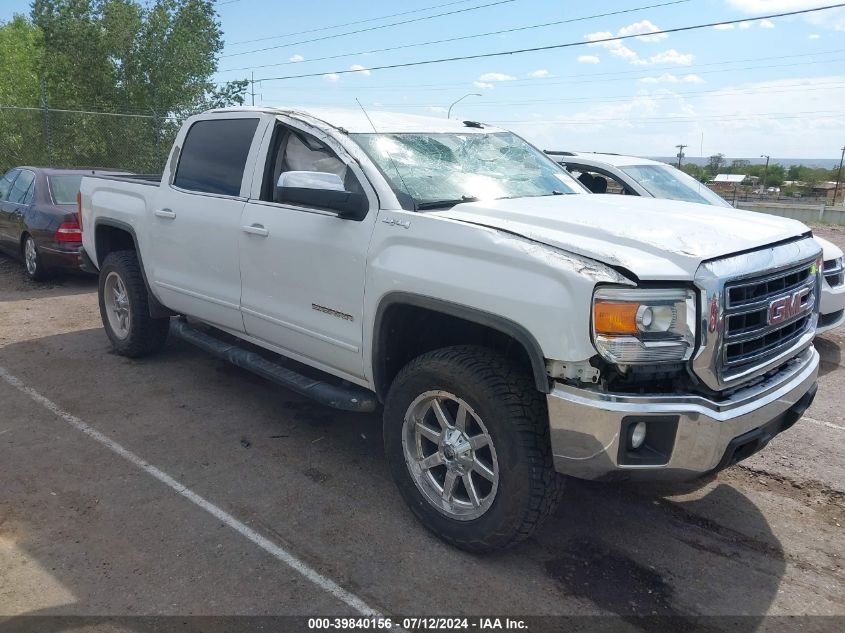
[(124, 307), (467, 441)]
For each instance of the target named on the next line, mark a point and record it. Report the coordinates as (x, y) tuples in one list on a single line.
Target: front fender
[(546, 292)]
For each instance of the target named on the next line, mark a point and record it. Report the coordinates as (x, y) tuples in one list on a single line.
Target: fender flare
[(474, 315), (157, 309)]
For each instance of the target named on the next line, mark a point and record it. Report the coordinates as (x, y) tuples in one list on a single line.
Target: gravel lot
[(83, 531)]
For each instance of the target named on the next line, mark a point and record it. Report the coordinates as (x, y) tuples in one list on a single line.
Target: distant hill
[(825, 163)]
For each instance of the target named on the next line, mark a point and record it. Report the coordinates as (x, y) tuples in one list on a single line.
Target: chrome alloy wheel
[(30, 256), (450, 455), (117, 305)]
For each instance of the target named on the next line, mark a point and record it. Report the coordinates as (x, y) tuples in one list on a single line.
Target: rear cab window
[(214, 155)]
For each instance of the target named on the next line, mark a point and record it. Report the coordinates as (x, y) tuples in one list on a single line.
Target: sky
[(761, 86)]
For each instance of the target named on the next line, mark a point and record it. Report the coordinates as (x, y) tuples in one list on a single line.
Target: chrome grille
[(754, 330), (750, 320)]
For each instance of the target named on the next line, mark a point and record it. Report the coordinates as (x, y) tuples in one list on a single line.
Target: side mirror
[(321, 190)]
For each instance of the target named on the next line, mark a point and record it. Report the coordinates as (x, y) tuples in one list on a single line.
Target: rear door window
[(214, 155), (22, 186), (6, 183)]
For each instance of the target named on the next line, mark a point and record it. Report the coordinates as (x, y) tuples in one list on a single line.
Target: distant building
[(726, 185), (826, 189)]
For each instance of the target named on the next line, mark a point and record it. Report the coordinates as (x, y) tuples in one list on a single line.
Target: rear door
[(196, 219), (17, 202), (303, 268), (7, 239)]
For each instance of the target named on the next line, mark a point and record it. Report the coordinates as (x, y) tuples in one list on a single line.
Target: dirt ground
[(84, 531)]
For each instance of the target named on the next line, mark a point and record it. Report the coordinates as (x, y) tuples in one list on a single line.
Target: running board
[(346, 398)]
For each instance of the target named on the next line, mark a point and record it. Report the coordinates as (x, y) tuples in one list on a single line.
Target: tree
[(739, 166), (22, 130), (153, 60), (715, 164)]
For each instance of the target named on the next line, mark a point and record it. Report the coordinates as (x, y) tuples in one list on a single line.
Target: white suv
[(630, 175)]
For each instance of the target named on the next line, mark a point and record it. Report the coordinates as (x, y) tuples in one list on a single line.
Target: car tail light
[(69, 232), (79, 209)]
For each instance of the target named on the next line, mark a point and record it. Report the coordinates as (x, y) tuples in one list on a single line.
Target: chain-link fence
[(46, 137)]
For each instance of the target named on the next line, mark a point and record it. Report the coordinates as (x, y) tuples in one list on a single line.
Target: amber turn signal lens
[(615, 318)]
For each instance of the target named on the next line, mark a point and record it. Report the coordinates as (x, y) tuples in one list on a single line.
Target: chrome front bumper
[(695, 435)]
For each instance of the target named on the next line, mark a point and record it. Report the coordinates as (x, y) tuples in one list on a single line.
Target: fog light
[(638, 435)]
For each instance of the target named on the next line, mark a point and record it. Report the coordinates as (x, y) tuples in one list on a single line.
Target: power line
[(576, 79), (557, 46), (371, 28), (823, 114), (338, 26), (727, 92), (463, 37)]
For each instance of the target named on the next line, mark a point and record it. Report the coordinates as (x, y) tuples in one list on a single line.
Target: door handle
[(256, 229), (165, 213)]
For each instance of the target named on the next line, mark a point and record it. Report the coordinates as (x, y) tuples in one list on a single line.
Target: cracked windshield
[(441, 170)]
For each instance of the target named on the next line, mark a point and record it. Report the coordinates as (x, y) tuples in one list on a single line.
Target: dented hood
[(654, 239)]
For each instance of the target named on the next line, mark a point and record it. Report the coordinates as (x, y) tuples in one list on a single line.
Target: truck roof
[(354, 121)]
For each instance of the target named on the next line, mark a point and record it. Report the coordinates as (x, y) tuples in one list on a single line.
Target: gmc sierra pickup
[(512, 329)]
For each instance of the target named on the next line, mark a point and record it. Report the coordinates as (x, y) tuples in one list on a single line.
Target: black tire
[(35, 270), (516, 417), (146, 335)]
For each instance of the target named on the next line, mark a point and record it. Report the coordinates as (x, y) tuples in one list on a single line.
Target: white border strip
[(279, 553)]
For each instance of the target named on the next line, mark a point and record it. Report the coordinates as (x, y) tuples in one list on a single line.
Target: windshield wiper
[(444, 204)]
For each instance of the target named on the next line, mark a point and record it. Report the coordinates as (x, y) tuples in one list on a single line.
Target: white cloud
[(724, 27), (496, 77), (667, 57), (732, 120), (618, 49), (766, 24), (745, 24), (332, 77), (539, 74), (296, 58), (589, 59), (358, 68), (669, 78), (829, 19), (482, 84), (645, 26), (814, 36), (438, 109)]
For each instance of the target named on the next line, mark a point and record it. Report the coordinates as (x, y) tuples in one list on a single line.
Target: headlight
[(638, 326)]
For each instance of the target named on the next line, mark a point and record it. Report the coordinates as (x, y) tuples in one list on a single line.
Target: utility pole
[(252, 87), (680, 153), (838, 177), (765, 172)]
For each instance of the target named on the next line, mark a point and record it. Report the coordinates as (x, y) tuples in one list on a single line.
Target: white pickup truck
[(511, 328)]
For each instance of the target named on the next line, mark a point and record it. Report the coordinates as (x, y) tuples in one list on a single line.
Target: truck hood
[(654, 239)]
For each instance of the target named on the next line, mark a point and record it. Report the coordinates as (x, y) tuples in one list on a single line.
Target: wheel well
[(24, 235), (405, 330), (108, 239)]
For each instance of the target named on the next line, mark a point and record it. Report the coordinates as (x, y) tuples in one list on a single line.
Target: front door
[(302, 268), (195, 223)]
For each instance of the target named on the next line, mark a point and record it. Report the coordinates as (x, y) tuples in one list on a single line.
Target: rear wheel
[(124, 307), (467, 441), (32, 260)]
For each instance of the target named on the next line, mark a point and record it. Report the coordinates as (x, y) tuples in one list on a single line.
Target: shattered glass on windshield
[(441, 170)]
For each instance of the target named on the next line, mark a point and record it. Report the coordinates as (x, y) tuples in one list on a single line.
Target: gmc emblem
[(785, 308)]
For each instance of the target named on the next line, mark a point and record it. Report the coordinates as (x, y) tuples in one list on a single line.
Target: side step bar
[(346, 398)]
